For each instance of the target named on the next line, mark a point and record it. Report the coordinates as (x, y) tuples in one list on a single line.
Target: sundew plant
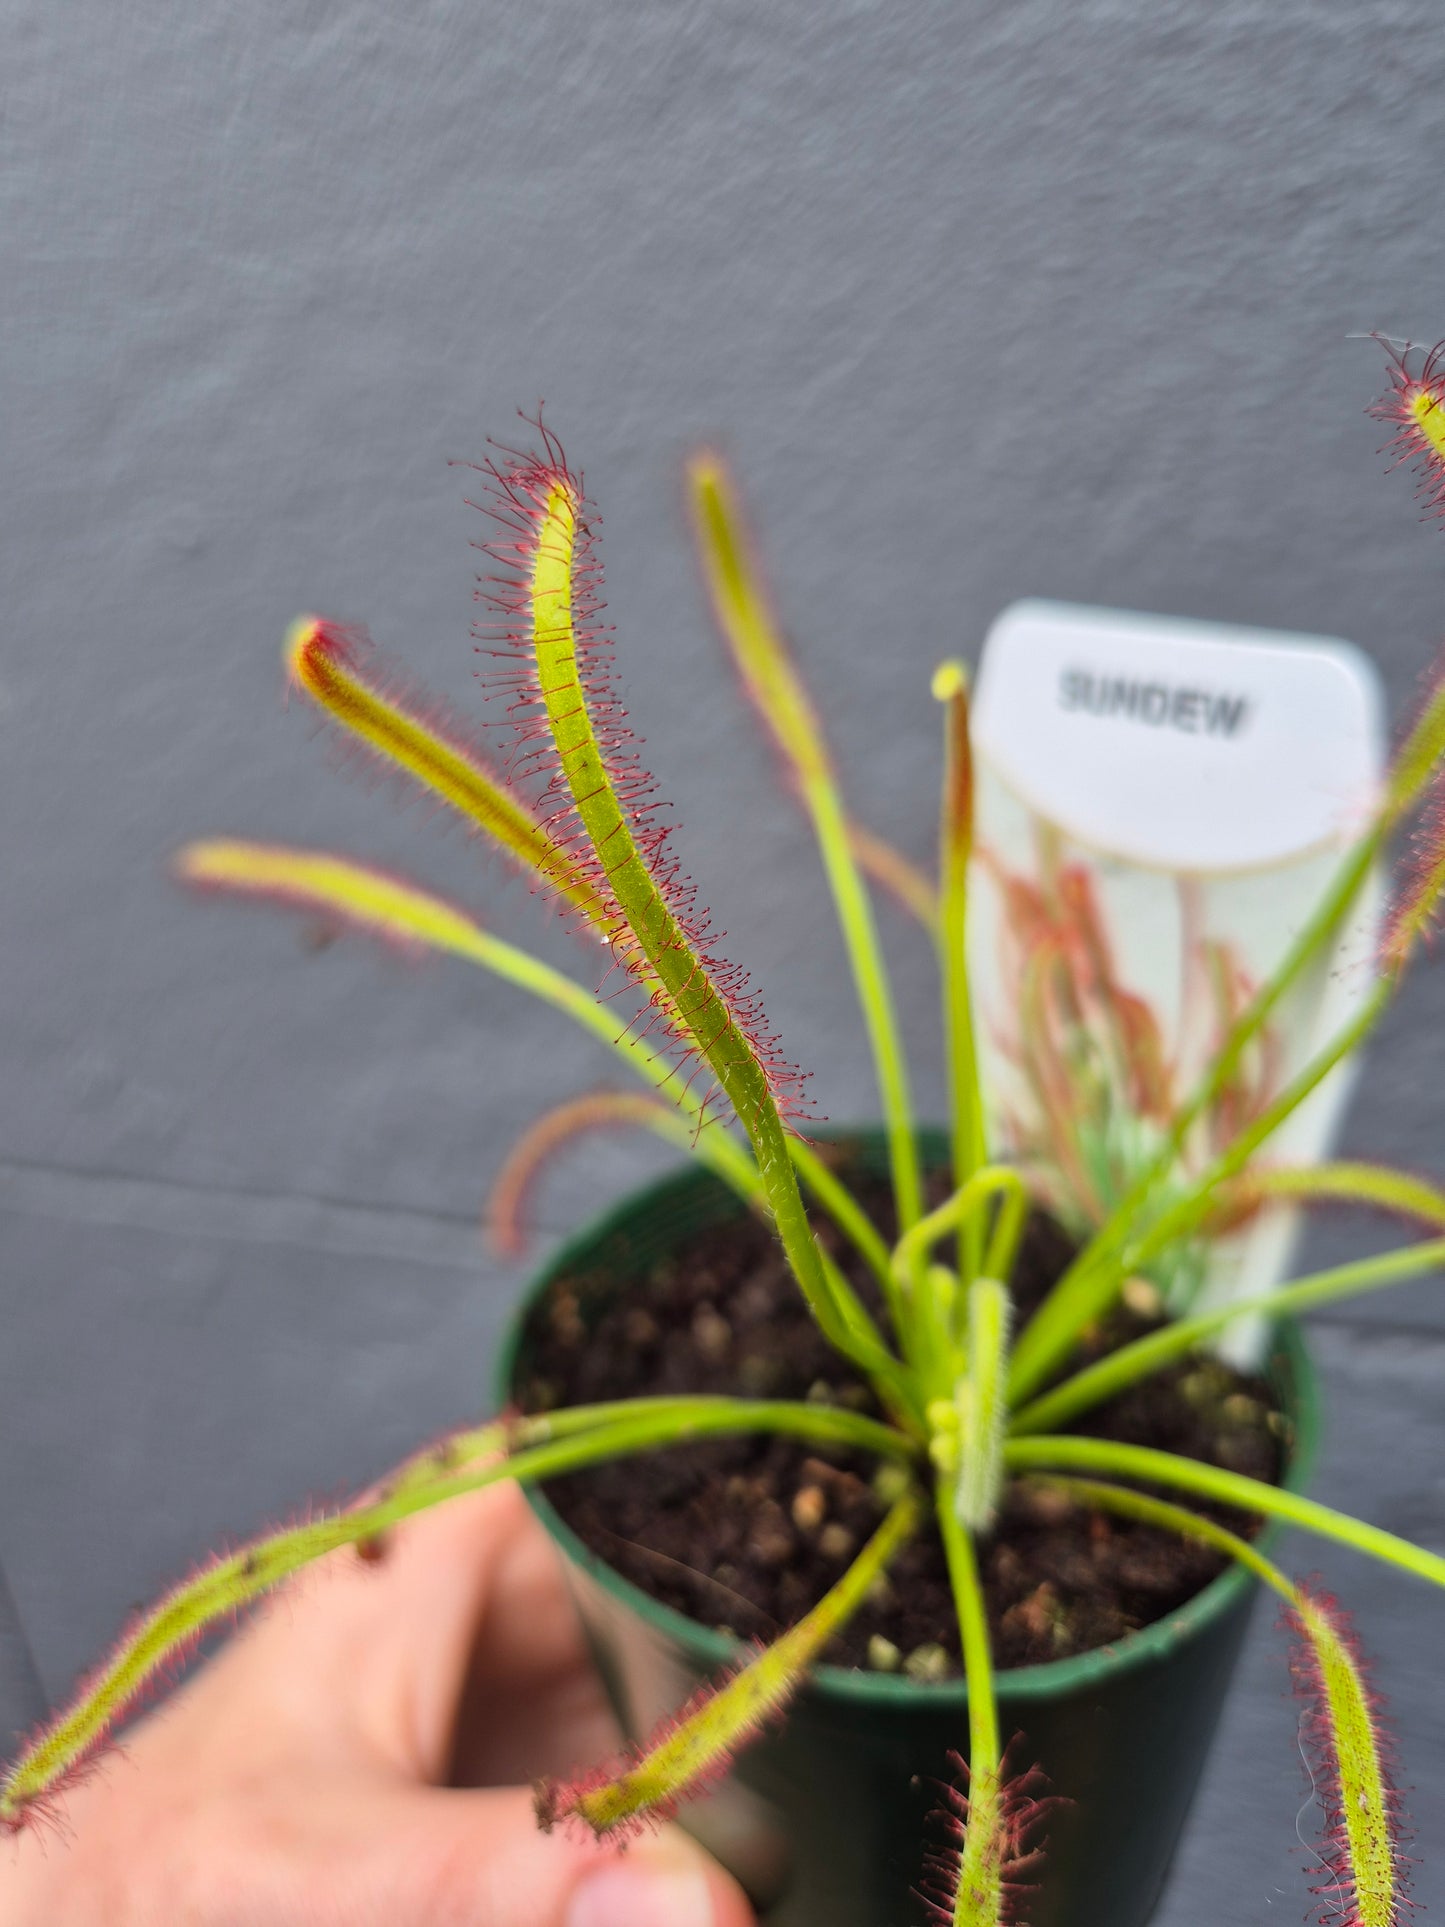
[(968, 1401)]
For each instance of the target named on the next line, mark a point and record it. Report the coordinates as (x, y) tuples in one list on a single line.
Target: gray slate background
[(985, 299)]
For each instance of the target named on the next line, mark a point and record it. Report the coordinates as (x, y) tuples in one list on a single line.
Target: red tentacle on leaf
[(515, 1184), (1414, 407), (520, 487), (1350, 1755), (1022, 1808)]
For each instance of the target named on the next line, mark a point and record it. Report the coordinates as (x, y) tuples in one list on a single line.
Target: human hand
[(360, 1757)]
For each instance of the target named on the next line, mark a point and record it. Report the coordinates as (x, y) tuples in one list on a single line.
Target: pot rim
[(1289, 1363)]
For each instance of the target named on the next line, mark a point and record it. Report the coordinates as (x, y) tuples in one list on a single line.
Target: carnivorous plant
[(968, 1400)]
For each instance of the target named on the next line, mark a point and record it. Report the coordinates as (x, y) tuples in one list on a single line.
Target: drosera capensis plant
[(969, 1399)]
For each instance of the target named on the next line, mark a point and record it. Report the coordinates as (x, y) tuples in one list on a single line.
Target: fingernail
[(630, 1893)]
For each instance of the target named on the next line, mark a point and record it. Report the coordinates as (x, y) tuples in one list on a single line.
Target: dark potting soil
[(745, 1534)]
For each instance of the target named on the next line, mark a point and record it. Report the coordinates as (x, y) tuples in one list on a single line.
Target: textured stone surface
[(986, 301)]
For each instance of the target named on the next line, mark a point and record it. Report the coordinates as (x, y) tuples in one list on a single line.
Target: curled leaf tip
[(1416, 786), (324, 658), (697, 1747), (305, 634), (401, 730), (1414, 406)]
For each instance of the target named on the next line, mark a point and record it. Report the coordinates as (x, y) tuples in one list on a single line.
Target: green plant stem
[(680, 1417), (910, 1254), (980, 1872), (984, 1749), (762, 657), (955, 846), (1088, 1288), (1145, 1355), (856, 1336), (1007, 1233), (875, 996), (1065, 1453)]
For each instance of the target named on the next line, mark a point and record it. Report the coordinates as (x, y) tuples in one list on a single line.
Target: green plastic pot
[(826, 1819)]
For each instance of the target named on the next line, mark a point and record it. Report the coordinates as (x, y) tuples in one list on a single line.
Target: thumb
[(478, 1859)]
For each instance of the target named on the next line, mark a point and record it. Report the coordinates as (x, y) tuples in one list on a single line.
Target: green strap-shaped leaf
[(1343, 1181), (330, 664), (773, 683), (955, 846), (1361, 1848), (692, 996), (526, 1449), (979, 1877), (1067, 1453), (1366, 1875)]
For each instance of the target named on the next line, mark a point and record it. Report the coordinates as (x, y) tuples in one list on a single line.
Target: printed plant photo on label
[(1104, 989)]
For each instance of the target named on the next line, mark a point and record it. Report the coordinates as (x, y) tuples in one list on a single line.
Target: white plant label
[(1159, 805)]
